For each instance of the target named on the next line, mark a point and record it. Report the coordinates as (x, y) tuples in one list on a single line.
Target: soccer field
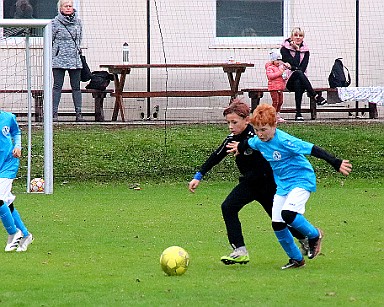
[(99, 245)]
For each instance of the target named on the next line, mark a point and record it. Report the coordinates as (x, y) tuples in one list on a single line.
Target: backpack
[(337, 76), (99, 80)]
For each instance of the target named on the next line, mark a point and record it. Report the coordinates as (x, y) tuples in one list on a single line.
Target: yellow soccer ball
[(174, 261)]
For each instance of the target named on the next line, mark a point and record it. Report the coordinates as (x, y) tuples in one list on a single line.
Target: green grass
[(99, 245), (156, 154), (98, 241)]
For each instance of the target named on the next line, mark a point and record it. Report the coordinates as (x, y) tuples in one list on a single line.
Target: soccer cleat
[(315, 245), (239, 255), (304, 247), (299, 118), (24, 243), (13, 241), (293, 264)]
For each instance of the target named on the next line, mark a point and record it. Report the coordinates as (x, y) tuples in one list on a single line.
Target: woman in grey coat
[(66, 41)]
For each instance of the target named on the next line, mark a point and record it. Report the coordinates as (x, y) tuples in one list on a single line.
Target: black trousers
[(299, 83), (246, 191)]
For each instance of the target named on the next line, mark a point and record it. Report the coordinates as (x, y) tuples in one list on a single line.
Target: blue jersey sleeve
[(252, 142), (298, 146), (15, 132)]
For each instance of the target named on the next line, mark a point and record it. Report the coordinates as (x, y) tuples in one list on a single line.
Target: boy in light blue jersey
[(295, 180), (10, 151)]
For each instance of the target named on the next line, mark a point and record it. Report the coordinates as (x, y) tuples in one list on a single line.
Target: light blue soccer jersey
[(291, 169), (10, 138)]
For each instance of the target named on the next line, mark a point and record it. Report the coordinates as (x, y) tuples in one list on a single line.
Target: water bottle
[(125, 54)]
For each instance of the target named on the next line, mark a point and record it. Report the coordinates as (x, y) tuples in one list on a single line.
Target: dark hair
[(238, 107)]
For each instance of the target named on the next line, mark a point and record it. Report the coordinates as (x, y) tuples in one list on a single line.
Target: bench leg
[(38, 107), (255, 99), (99, 106), (313, 107), (313, 104), (373, 110)]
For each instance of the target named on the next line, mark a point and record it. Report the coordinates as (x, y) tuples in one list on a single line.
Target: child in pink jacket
[(275, 70)]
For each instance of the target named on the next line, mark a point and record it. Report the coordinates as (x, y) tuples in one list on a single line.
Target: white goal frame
[(47, 87)]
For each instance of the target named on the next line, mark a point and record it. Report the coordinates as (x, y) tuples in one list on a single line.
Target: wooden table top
[(179, 65)]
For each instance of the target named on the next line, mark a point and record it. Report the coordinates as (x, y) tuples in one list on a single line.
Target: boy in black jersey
[(255, 183)]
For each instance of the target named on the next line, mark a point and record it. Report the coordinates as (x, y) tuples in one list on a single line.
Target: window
[(26, 9), (250, 18), (38, 9)]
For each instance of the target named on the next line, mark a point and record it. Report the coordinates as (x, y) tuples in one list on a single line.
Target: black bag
[(99, 80), (86, 74), (337, 76)]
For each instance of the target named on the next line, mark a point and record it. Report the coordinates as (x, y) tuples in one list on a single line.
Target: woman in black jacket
[(296, 52)]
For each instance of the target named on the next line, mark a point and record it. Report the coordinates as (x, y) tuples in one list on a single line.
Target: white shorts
[(5, 191), (294, 201)]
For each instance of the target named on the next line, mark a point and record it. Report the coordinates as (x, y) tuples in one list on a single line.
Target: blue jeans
[(58, 80)]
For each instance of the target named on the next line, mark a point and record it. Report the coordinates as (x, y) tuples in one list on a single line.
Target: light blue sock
[(305, 227), (7, 219), (288, 244), (19, 223)]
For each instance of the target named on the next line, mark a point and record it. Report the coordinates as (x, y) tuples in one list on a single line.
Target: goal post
[(46, 25)]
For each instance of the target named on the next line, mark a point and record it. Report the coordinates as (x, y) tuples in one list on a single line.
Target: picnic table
[(120, 72)]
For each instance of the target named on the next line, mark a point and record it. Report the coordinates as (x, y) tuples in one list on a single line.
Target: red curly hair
[(263, 115)]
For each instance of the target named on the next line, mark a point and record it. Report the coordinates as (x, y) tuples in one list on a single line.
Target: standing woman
[(296, 52), (66, 41)]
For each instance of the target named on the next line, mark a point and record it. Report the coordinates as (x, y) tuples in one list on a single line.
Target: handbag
[(86, 74)]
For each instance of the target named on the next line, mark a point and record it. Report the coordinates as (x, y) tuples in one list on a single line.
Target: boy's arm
[(237, 147), (342, 166), (214, 159), (16, 135)]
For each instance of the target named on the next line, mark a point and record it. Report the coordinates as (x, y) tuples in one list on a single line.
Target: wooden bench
[(38, 96), (255, 94)]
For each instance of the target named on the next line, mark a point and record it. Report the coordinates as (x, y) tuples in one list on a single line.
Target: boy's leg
[(286, 241), (284, 236), (18, 221), (27, 236), (300, 223), (7, 219), (6, 197), (241, 195), (292, 214)]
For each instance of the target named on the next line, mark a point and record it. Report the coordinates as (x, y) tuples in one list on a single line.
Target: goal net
[(26, 72), (203, 31), (182, 32)]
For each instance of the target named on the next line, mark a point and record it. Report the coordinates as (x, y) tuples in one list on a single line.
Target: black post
[(148, 57)]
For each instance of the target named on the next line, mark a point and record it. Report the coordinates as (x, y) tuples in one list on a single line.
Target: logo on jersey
[(5, 130), (276, 156)]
